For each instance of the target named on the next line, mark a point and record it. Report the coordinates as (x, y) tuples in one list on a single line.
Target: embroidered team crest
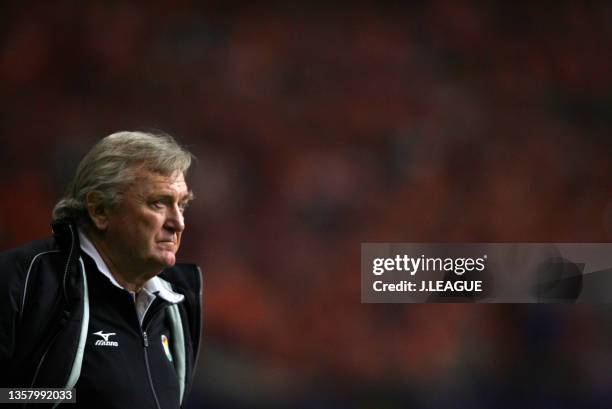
[(165, 344)]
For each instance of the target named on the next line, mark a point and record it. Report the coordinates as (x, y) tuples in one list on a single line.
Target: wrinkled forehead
[(147, 182)]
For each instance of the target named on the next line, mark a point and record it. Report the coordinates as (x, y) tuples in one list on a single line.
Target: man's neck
[(130, 280)]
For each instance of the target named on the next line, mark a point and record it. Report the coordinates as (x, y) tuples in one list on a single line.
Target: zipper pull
[(145, 340)]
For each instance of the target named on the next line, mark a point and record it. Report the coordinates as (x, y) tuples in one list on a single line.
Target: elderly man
[(102, 306)]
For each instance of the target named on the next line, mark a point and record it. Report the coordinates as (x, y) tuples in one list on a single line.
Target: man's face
[(144, 230)]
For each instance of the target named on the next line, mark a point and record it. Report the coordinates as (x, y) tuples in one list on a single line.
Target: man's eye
[(183, 206), (158, 204)]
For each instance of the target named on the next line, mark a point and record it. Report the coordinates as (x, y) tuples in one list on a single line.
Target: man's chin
[(166, 259), (170, 260), (165, 254)]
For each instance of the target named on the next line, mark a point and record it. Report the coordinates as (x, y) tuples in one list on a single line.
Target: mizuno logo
[(104, 341)]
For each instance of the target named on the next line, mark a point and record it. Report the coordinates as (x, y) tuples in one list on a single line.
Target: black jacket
[(45, 316)]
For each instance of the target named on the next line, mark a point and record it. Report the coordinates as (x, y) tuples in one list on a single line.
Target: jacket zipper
[(145, 343)]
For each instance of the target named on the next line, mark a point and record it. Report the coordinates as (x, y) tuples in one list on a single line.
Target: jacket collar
[(64, 231)]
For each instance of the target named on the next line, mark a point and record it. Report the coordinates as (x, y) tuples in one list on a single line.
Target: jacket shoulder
[(20, 259), (184, 276), (21, 267), (24, 254)]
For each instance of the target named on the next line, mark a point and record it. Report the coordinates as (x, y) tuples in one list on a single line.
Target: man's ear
[(98, 212)]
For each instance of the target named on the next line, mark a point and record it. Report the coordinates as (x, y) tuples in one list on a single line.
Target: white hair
[(110, 167)]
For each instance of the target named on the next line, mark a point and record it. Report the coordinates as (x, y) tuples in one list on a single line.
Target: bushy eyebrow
[(188, 198)]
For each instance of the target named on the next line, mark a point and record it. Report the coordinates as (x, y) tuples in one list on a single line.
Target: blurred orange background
[(321, 125)]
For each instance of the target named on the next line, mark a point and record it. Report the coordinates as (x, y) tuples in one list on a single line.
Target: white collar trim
[(155, 285)]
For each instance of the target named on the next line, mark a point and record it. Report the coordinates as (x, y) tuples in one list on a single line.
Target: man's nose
[(175, 220)]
